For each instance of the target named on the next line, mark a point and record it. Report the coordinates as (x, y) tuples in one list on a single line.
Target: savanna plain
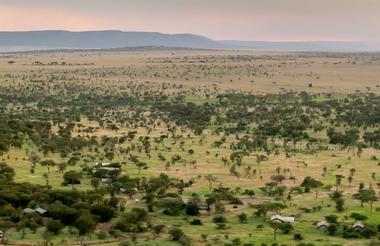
[(156, 146)]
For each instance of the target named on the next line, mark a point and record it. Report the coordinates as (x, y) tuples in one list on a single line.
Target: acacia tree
[(48, 164), (72, 177), (366, 196), (211, 179), (237, 157), (62, 166), (275, 226), (337, 197), (140, 165), (311, 183), (338, 181), (34, 159)]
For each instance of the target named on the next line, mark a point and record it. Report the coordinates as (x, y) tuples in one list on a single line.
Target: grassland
[(200, 76)]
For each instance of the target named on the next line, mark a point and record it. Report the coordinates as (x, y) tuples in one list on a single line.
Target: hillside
[(109, 39), (17, 41)]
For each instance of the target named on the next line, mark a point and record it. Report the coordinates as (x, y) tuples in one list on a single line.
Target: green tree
[(95, 182), (211, 179), (275, 226), (366, 196), (6, 173), (54, 226), (34, 159), (5, 225), (243, 217), (48, 164), (338, 180), (337, 197), (72, 177), (85, 223)]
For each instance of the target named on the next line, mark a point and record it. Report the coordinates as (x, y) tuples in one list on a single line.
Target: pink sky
[(275, 20)]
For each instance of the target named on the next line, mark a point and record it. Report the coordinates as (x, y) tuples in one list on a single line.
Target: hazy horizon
[(246, 20), (202, 35)]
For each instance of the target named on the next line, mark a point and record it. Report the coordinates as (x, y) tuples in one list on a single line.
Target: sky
[(270, 20)]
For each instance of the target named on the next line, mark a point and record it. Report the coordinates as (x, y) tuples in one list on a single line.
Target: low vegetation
[(123, 155)]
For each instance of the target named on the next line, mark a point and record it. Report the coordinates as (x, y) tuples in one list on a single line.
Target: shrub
[(171, 205), (368, 232), (219, 219), (298, 236), (286, 228), (133, 221), (219, 208), (332, 229), (332, 218), (157, 229), (192, 208), (357, 216), (101, 235), (184, 240), (104, 213), (85, 224), (350, 233), (176, 234), (54, 226), (196, 222), (243, 217), (236, 242)]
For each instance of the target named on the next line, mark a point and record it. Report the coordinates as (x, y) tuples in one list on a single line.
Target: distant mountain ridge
[(329, 46), (102, 40), (110, 39)]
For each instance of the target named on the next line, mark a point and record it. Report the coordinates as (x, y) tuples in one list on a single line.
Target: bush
[(350, 233), (298, 236), (286, 228), (219, 219), (219, 208), (185, 241), (236, 242), (243, 218), (85, 224), (332, 218), (192, 209), (357, 216), (176, 234), (368, 232), (157, 229), (196, 222), (236, 200), (54, 226), (103, 212), (332, 229), (101, 235), (133, 221), (171, 205)]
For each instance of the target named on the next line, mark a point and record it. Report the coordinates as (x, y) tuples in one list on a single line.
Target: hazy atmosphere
[(276, 20)]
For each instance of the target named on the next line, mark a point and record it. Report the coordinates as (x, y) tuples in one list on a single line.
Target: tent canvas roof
[(282, 218)]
